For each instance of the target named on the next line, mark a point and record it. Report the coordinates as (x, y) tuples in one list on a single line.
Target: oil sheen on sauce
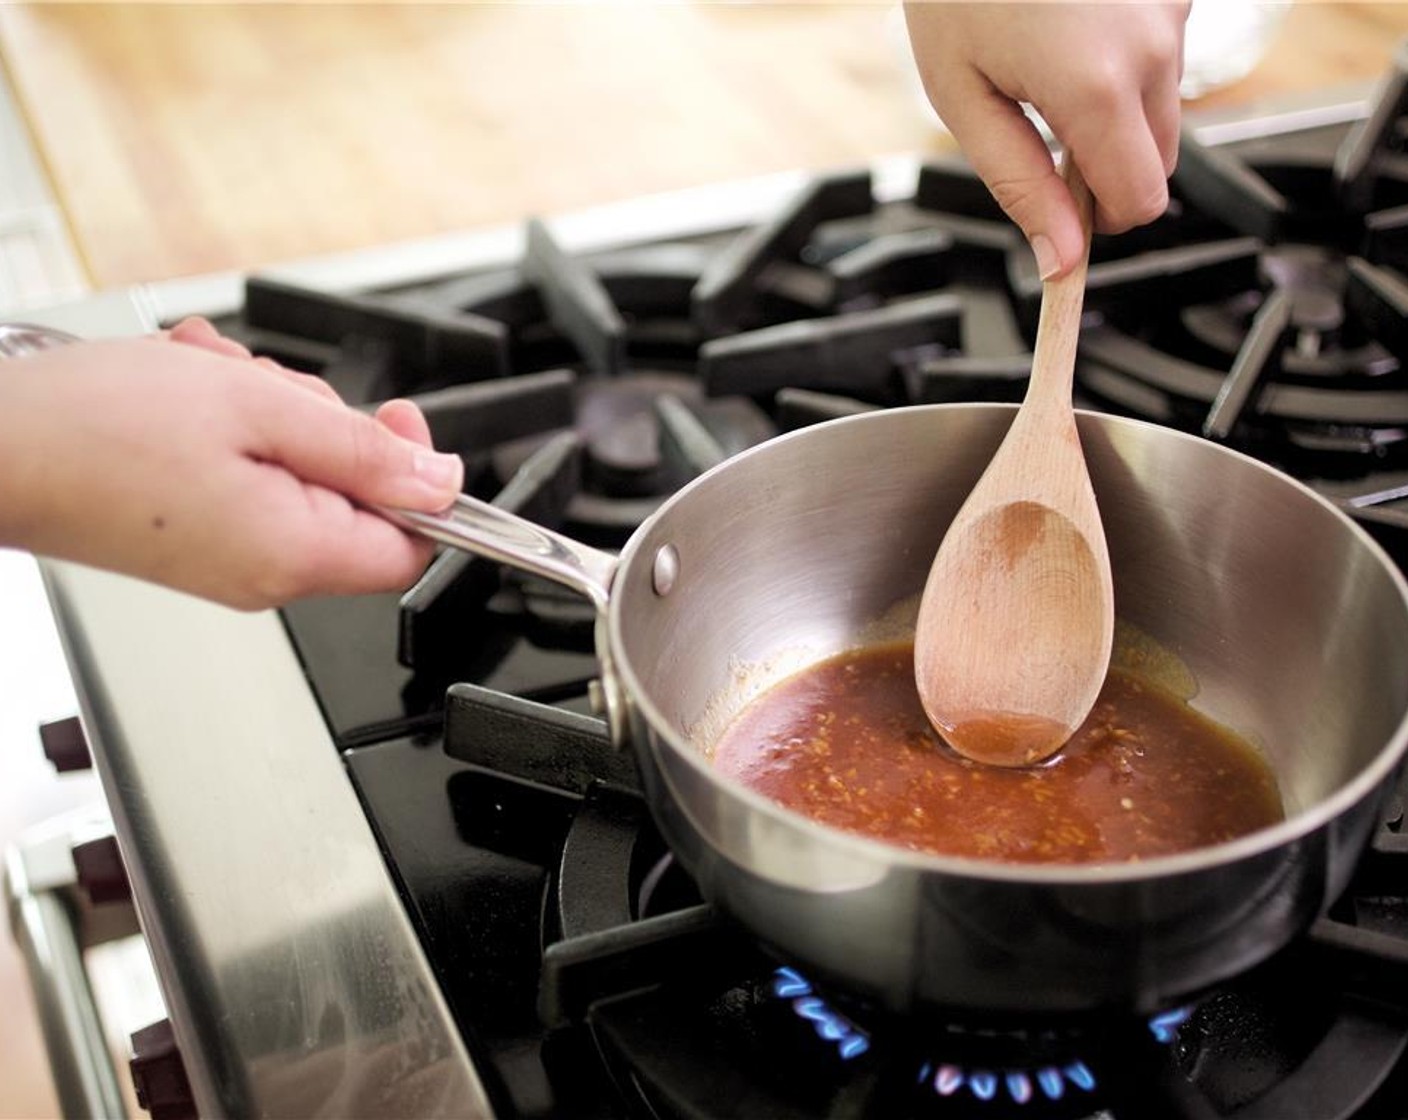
[(846, 742)]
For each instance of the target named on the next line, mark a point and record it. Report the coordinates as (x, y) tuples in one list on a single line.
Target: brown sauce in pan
[(846, 742)]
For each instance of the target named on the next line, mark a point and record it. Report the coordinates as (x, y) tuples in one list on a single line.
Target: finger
[(348, 451), (405, 419), (1110, 139), (193, 329), (1163, 113), (309, 381), (196, 331), (1130, 185), (325, 546), (364, 555), (1010, 156), (377, 563)]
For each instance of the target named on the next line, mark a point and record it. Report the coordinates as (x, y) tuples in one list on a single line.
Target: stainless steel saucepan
[(1292, 620)]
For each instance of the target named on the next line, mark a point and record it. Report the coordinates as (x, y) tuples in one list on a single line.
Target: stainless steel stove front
[(294, 983)]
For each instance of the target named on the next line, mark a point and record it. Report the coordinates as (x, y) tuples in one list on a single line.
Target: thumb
[(331, 445)]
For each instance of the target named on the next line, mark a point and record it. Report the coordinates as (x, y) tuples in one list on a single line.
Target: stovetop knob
[(65, 745), (159, 1075), (101, 872)]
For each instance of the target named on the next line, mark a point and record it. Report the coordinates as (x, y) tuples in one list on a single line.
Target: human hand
[(1103, 76), (180, 459)]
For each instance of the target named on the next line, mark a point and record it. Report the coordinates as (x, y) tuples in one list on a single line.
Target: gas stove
[(385, 856)]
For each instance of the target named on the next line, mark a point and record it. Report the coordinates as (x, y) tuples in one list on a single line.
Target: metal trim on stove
[(293, 978), (53, 919)]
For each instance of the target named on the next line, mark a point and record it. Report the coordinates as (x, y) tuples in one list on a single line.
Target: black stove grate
[(1260, 311)]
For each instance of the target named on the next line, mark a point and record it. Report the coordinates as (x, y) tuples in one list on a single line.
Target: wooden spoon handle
[(1058, 329), (1085, 209)]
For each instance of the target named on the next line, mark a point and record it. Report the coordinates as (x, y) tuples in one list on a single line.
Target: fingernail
[(441, 471), (1047, 262)]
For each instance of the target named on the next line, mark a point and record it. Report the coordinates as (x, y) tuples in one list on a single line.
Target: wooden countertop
[(190, 138)]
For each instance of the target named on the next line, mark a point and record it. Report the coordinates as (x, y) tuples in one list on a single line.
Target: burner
[(1313, 343), (1314, 278), (989, 1070), (1297, 360), (643, 436)]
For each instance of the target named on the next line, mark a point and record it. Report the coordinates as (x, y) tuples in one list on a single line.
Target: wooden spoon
[(1017, 618)]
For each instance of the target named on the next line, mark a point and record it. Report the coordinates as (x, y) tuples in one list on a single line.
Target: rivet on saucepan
[(666, 569), (596, 696)]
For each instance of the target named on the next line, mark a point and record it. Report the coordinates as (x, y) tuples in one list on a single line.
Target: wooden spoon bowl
[(1017, 618)]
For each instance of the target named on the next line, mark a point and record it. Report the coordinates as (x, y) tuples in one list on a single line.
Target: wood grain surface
[(189, 138), (184, 138)]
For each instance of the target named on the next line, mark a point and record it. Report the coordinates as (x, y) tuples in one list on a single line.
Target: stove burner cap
[(644, 435), (1315, 278), (616, 417)]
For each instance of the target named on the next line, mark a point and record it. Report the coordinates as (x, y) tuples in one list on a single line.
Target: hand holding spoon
[(1017, 618)]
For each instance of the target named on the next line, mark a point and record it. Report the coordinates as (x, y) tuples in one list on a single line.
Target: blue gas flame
[(947, 1079), (851, 1041), (1020, 1084), (1164, 1026)]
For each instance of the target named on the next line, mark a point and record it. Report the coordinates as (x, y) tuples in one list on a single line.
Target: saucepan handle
[(20, 339), (482, 529), (486, 530)]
